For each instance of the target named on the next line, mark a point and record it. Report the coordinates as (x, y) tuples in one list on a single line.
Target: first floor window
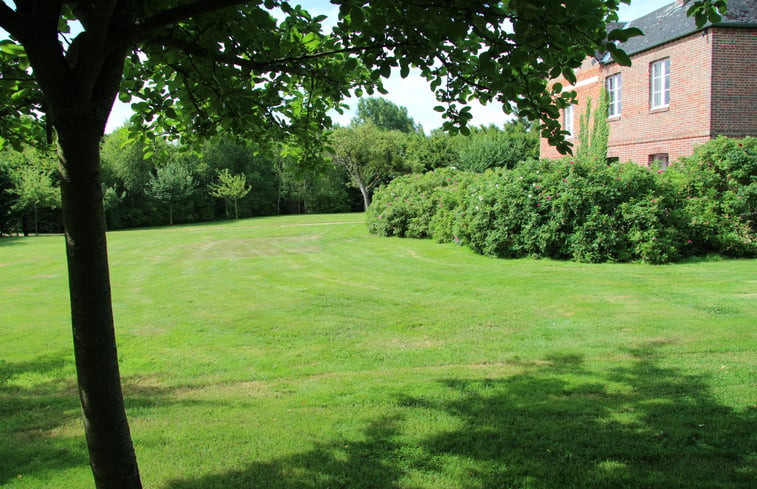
[(659, 160), (568, 120), (659, 84), (613, 95)]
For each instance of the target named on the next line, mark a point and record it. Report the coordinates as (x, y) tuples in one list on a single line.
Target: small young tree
[(7, 199), (601, 132), (111, 199), (230, 188), (584, 131), (35, 189), (592, 140), (171, 184)]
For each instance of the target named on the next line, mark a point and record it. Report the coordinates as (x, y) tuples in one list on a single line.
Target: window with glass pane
[(568, 120), (659, 159), (614, 95), (660, 83)]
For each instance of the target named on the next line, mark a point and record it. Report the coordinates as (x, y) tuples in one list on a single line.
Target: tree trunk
[(357, 178), (111, 452), (366, 197), (79, 89)]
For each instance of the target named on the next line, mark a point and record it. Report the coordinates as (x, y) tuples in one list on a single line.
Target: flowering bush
[(584, 210), (406, 206), (717, 189)]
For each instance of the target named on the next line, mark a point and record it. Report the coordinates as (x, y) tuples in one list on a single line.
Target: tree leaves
[(242, 70), (623, 35), (618, 55), (9, 47), (707, 10), (384, 114)]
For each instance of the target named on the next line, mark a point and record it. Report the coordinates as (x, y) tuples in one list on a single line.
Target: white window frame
[(568, 120), (614, 87), (659, 84)]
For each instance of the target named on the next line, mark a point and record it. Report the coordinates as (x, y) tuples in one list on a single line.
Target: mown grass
[(301, 352)]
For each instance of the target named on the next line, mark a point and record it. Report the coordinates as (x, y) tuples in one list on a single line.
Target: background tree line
[(157, 183)]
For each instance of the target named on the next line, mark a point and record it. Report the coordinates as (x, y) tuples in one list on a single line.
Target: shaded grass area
[(299, 352), (532, 429)]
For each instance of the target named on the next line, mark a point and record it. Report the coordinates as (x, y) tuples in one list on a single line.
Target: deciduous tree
[(369, 155), (7, 200), (171, 183), (35, 189), (594, 130), (230, 187), (384, 114), (489, 147)]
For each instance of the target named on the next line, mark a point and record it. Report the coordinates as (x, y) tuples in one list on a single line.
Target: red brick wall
[(697, 111), (589, 78), (685, 123), (734, 88)]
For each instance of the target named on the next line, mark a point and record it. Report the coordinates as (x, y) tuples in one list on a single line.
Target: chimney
[(680, 3)]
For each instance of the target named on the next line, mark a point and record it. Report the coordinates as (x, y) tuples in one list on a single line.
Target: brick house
[(685, 86)]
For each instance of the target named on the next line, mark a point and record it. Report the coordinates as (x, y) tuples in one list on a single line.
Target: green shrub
[(407, 204), (449, 223), (717, 187), (583, 209)]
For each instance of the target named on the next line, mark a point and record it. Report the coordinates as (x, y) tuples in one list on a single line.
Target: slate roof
[(670, 22)]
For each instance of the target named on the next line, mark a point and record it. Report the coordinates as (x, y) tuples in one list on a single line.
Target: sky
[(412, 92)]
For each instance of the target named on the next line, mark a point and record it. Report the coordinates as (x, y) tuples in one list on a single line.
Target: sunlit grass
[(301, 352)]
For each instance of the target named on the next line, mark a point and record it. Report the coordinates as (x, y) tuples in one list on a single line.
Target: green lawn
[(301, 352)]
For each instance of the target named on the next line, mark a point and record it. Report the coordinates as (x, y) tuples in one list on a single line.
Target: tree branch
[(260, 66), (96, 19), (177, 14), (9, 20)]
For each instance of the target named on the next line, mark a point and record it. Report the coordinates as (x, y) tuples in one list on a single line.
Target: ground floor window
[(659, 160)]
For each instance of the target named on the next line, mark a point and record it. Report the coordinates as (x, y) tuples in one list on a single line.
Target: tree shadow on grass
[(10, 240), (38, 400), (642, 426), (557, 424), (365, 464), (34, 401)]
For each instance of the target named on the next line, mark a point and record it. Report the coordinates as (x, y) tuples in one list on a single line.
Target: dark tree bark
[(112, 456), (80, 88)]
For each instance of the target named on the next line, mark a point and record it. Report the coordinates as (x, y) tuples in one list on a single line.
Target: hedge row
[(581, 210)]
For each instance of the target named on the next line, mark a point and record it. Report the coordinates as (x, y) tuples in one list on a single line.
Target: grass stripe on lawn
[(301, 352)]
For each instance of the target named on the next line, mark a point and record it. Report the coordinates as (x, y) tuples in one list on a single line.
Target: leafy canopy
[(229, 186), (171, 183), (199, 67), (369, 155), (384, 114)]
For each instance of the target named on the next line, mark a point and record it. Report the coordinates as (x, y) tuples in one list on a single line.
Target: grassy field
[(301, 352)]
